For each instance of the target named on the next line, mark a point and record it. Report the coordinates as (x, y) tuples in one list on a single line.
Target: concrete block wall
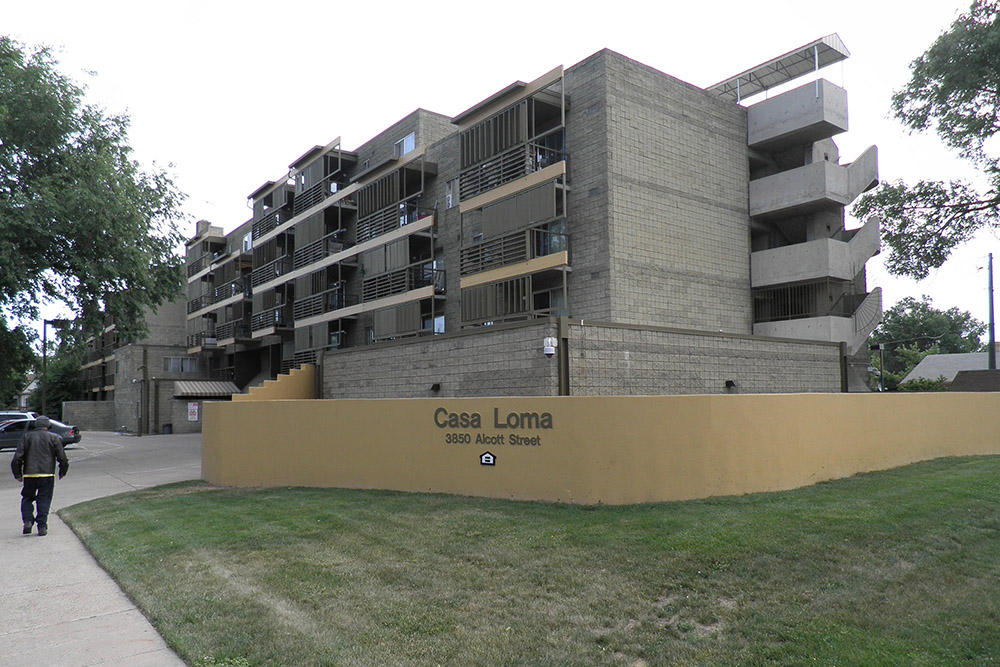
[(680, 229), (607, 360), (588, 223), (502, 361), (90, 415)]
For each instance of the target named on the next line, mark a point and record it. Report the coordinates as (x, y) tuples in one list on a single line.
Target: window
[(404, 145), (449, 193), (180, 364), (248, 243)]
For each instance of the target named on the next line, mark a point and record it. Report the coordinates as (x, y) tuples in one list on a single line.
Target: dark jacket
[(37, 454)]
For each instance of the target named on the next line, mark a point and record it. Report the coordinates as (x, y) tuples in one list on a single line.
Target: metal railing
[(270, 271), (229, 290), (403, 280), (313, 252), (506, 167), (324, 302), (278, 317), (390, 218), (818, 299), (517, 246), (236, 330)]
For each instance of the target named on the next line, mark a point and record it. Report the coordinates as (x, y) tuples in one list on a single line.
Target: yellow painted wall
[(612, 450), (300, 383)]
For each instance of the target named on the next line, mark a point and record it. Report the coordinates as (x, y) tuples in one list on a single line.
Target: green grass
[(892, 568)]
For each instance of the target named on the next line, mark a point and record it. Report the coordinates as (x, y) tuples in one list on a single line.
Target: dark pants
[(37, 491)]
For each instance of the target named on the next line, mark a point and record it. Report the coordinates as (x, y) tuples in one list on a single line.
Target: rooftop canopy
[(798, 62)]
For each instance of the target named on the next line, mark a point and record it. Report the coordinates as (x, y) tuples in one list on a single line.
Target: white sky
[(229, 93)]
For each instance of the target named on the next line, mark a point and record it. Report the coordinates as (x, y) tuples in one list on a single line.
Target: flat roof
[(797, 62)]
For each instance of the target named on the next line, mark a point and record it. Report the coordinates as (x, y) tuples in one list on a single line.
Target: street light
[(55, 324)]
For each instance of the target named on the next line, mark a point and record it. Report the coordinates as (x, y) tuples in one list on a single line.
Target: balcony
[(403, 280), (388, 219), (279, 317), (229, 290), (324, 302), (320, 249), (198, 303), (506, 167), (794, 312), (805, 115), (269, 221), (198, 339), (518, 246), (813, 187), (270, 271), (237, 330), (316, 194), (815, 260)]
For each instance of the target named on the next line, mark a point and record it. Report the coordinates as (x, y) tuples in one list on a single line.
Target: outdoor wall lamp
[(436, 386), (730, 384)]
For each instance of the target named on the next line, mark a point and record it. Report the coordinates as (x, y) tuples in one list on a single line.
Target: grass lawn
[(891, 568)]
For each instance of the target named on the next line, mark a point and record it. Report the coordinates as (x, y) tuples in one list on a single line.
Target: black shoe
[(27, 527), (42, 532)]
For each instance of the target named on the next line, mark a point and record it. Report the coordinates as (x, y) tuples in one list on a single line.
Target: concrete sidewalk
[(69, 612)]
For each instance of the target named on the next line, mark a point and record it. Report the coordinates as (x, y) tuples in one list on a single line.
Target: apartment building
[(148, 385), (603, 229)]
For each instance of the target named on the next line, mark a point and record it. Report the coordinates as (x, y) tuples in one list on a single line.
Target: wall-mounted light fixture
[(730, 384), (436, 386), (549, 345)]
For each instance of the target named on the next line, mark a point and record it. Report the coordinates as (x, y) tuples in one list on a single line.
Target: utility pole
[(56, 324)]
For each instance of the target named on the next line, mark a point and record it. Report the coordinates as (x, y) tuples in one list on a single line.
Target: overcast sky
[(229, 93)]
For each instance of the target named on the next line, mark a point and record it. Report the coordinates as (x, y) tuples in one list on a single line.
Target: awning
[(808, 58), (204, 388)]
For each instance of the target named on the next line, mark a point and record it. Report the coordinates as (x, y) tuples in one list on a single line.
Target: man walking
[(35, 463)]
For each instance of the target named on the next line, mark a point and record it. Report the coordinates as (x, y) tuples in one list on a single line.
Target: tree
[(61, 379), (82, 223), (955, 89), (913, 329), (16, 359)]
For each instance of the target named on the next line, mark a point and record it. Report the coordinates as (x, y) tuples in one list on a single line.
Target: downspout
[(843, 367), (563, 352)]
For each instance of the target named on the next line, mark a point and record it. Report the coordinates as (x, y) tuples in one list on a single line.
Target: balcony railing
[(269, 221), (229, 290), (390, 218), (198, 303), (227, 373), (317, 250), (791, 302), (196, 339), (317, 193), (236, 330), (278, 317), (403, 280), (517, 246), (506, 167), (324, 302), (270, 271)]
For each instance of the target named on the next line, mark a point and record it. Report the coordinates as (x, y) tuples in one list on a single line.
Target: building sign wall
[(589, 449)]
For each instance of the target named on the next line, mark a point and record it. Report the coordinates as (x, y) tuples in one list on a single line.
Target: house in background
[(25, 394), (971, 366)]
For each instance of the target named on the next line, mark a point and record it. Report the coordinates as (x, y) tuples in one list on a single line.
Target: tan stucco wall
[(599, 449)]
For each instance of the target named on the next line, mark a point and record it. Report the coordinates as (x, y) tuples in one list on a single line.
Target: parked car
[(12, 430), (7, 415)]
